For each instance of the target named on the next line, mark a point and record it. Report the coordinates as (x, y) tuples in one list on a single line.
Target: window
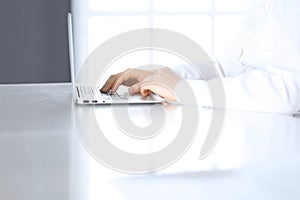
[(211, 23)]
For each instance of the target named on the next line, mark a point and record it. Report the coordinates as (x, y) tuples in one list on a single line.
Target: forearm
[(254, 90)]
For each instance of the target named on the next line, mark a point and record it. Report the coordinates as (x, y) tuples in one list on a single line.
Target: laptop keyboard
[(89, 94)]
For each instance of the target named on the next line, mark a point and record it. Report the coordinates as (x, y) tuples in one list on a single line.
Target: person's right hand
[(130, 77), (161, 81)]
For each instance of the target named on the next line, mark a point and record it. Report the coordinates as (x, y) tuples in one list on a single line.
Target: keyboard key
[(106, 96), (123, 97), (115, 97)]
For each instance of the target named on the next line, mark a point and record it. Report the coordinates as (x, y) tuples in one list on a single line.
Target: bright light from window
[(182, 5), (226, 28), (232, 5), (213, 24), (197, 28), (118, 5), (103, 28)]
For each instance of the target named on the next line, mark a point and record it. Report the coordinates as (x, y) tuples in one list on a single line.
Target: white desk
[(257, 157)]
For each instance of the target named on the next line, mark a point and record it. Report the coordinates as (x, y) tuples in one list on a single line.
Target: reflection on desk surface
[(41, 156)]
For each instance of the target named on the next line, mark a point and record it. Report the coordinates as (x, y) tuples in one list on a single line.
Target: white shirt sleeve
[(268, 42), (259, 90)]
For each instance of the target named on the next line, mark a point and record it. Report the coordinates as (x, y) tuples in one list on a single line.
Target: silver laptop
[(84, 94)]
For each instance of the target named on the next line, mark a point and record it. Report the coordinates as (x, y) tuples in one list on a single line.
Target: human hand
[(162, 82), (129, 77)]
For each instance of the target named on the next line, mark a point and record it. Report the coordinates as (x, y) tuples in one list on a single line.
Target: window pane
[(182, 5), (195, 27), (232, 5), (118, 5), (167, 59), (226, 28), (103, 28)]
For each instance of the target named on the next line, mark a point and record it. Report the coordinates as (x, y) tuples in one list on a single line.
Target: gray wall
[(33, 41)]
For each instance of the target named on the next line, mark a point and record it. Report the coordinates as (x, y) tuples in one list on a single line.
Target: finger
[(110, 82), (145, 89), (145, 92), (135, 88), (159, 89), (117, 83), (125, 76)]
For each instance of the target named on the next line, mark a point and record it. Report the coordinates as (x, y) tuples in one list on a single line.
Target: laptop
[(84, 94)]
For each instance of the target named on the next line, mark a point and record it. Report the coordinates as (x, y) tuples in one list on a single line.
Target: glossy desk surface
[(41, 157)]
